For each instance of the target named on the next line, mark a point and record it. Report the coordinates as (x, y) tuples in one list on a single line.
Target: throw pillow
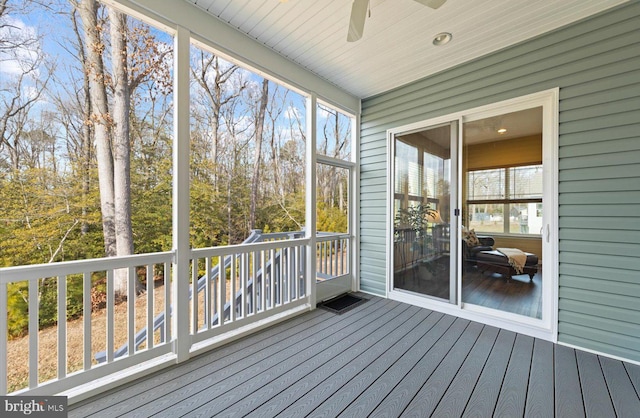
[(470, 237)]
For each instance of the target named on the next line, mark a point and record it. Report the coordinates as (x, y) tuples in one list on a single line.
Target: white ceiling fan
[(359, 14)]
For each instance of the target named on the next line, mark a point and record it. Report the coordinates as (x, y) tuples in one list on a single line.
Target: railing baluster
[(336, 265), (293, 274), (207, 293), (332, 257), (33, 333), (243, 285), (166, 337), (290, 272), (3, 339), (222, 289), (347, 256), (278, 279), (326, 258), (131, 310), (86, 320), (233, 291), (150, 295), (272, 278), (62, 326), (194, 296), (263, 281), (110, 315), (295, 263), (301, 262)]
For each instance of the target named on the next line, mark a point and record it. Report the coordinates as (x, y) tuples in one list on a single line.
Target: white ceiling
[(396, 47)]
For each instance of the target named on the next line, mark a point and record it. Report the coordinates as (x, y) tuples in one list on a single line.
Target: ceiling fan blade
[(356, 22), (434, 4)]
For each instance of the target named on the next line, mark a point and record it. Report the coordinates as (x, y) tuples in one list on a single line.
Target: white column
[(181, 147), (354, 204), (310, 201)]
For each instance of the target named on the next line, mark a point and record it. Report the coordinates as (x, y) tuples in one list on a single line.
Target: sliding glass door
[(473, 214), (422, 212)]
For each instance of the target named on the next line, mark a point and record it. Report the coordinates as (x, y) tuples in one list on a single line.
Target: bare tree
[(100, 119), (212, 74), (257, 156), (22, 89), (120, 132), (120, 145)]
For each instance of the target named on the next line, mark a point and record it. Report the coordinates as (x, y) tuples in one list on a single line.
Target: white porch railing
[(332, 251), (71, 368), (231, 287), (258, 280)]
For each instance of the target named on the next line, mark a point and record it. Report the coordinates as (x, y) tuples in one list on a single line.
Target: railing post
[(181, 148)]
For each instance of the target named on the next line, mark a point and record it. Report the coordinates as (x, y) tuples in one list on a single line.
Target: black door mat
[(342, 304)]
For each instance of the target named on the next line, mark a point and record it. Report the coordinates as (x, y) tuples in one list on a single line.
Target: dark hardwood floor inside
[(517, 295)]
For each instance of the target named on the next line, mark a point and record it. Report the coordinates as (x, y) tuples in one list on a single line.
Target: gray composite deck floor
[(384, 359)]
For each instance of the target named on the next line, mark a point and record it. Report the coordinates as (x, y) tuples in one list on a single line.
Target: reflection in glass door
[(422, 212)]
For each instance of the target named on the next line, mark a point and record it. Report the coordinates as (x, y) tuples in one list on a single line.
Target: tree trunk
[(255, 181), (86, 132), (101, 120), (121, 147)]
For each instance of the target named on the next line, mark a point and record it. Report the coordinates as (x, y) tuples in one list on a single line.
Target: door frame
[(546, 327), (345, 283)]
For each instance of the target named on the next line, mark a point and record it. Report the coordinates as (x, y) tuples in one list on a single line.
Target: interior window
[(505, 200)]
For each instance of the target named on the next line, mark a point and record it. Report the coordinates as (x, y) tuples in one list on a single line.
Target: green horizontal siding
[(596, 65)]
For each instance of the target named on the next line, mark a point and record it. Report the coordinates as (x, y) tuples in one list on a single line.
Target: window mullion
[(506, 218)]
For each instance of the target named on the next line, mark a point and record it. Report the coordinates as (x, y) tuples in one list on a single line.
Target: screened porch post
[(310, 203), (180, 218)]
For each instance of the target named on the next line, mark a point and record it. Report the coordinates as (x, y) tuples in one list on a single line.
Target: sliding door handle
[(548, 232)]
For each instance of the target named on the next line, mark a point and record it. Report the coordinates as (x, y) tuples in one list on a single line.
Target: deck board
[(368, 400), (514, 386), (455, 399), (352, 389), (626, 401), (407, 388), (485, 394), (315, 388), (199, 394), (163, 383), (597, 401), (383, 358), (569, 402), (321, 363), (427, 398), (540, 394)]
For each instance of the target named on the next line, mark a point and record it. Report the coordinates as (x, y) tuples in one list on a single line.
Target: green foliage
[(331, 219), (17, 309), (289, 216), (18, 305), (151, 218), (42, 215)]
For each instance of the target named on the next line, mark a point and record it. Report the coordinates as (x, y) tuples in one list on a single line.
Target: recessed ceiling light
[(442, 38), (502, 131)]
